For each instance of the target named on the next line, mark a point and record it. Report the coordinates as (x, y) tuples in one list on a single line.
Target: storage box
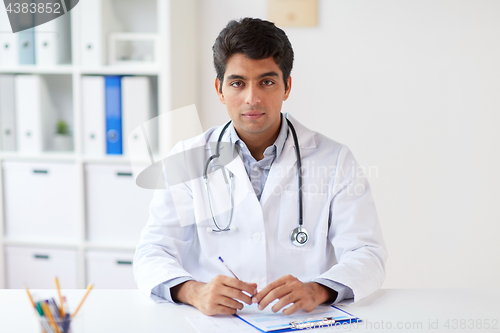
[(36, 268), (117, 209), (110, 270), (41, 201)]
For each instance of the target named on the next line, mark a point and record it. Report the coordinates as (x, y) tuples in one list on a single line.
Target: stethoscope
[(299, 236)]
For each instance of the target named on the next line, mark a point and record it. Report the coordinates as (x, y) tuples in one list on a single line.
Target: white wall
[(413, 88)]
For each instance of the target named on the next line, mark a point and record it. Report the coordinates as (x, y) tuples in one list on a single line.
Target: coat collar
[(305, 135), (286, 161)]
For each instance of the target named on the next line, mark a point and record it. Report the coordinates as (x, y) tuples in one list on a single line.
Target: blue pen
[(229, 269), (66, 323)]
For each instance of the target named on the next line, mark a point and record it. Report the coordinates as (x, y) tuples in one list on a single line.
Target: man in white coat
[(344, 257)]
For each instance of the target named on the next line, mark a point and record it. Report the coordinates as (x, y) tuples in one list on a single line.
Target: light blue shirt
[(257, 172)]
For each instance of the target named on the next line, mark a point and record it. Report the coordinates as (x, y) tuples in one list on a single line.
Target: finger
[(267, 289), (255, 286), (284, 301), (293, 308), (255, 290), (230, 303), (276, 293), (237, 284), (235, 293), (225, 310), (218, 310)]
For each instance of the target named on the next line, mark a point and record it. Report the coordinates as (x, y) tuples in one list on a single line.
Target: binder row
[(50, 43), (27, 114), (113, 107), (45, 44)]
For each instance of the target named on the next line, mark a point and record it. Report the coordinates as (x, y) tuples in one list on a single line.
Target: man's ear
[(288, 88), (218, 88)]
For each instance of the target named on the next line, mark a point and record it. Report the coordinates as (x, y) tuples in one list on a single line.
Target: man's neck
[(257, 143)]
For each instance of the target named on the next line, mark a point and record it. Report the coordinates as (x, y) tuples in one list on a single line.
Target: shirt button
[(257, 236)]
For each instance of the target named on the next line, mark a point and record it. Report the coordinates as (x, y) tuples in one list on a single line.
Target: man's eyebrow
[(235, 76), (269, 74)]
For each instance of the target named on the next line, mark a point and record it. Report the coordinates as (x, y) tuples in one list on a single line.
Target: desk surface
[(400, 310)]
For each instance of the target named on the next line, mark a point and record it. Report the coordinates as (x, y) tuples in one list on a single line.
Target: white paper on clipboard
[(268, 321)]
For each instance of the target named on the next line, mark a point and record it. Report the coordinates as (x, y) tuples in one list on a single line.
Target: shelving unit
[(175, 25)]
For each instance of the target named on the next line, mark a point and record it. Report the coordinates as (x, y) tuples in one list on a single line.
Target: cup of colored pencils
[(54, 316)]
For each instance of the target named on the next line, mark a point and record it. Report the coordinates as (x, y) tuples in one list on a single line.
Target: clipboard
[(267, 321)]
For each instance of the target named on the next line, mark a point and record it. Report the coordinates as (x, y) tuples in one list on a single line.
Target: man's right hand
[(216, 297)]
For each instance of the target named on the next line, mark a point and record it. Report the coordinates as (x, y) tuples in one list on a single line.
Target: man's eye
[(235, 84), (267, 82)]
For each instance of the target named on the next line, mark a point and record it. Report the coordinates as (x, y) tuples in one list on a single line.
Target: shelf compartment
[(36, 267), (110, 269), (117, 209), (41, 201)]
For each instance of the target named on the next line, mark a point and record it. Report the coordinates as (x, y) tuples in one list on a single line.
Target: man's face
[(253, 92)]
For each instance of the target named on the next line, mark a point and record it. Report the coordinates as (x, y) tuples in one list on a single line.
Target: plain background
[(413, 88)]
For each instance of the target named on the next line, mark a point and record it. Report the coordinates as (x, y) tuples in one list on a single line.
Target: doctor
[(343, 259)]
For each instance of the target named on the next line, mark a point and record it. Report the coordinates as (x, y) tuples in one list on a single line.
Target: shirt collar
[(279, 143)]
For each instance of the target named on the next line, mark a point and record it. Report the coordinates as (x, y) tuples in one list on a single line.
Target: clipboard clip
[(326, 321)]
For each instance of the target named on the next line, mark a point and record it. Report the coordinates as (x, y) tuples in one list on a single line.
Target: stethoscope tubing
[(299, 168), (297, 230)]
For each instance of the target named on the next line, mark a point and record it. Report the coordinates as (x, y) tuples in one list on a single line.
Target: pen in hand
[(229, 269)]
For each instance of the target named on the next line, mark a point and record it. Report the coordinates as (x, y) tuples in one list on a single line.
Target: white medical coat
[(345, 245)]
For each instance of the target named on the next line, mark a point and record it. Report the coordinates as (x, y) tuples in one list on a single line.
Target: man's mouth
[(253, 115)]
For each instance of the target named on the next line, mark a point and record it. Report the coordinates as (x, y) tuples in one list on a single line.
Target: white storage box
[(110, 270), (41, 201), (36, 268), (117, 209)]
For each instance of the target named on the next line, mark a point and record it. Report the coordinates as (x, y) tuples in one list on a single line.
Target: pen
[(229, 269), (48, 314), (89, 288), (66, 323), (39, 308), (65, 306), (60, 297), (54, 309)]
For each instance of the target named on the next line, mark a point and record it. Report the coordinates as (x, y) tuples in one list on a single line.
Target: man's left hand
[(288, 289)]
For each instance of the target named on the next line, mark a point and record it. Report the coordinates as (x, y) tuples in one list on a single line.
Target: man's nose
[(253, 95)]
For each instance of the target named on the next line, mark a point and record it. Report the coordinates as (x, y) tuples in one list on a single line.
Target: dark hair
[(256, 39)]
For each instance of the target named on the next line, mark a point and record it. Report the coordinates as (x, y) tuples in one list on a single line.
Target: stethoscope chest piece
[(299, 236)]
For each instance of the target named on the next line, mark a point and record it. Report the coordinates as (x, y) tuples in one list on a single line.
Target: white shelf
[(33, 69), (171, 95), (48, 156), (122, 70), (71, 157), (71, 70), (69, 245), (40, 243), (109, 247), (115, 160)]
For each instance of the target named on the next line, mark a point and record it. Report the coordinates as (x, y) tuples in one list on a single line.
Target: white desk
[(128, 311)]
